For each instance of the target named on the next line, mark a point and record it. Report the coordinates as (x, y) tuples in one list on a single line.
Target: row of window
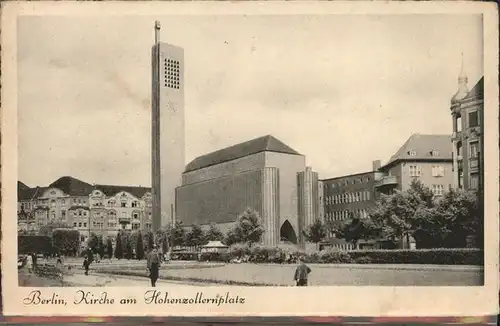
[(80, 202), (111, 215), (414, 153), (342, 183), (111, 225), (416, 171), (346, 214), (347, 198)]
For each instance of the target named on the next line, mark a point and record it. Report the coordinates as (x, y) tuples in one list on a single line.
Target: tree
[(316, 232), (213, 234), (118, 246), (356, 229), (129, 254), (231, 238), (139, 251), (100, 246), (132, 238), (109, 248), (248, 228), (195, 237), (66, 241), (93, 242), (149, 239), (462, 216), (162, 236), (48, 228), (432, 221), (177, 235), (396, 213)]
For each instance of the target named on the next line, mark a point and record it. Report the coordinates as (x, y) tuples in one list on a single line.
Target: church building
[(263, 174)]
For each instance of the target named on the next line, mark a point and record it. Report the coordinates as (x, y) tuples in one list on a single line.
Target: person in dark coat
[(153, 265), (34, 255), (86, 265), (301, 273)]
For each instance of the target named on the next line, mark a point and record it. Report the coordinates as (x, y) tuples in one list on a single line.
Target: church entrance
[(287, 234)]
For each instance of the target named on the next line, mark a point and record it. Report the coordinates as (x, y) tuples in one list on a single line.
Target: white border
[(311, 301)]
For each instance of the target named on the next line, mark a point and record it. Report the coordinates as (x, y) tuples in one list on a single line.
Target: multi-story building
[(350, 195), (467, 140), (346, 197), (27, 214), (99, 209), (263, 174), (427, 158)]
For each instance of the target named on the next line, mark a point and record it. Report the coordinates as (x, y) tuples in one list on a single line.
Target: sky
[(343, 90)]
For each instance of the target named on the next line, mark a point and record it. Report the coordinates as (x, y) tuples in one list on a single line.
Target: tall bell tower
[(168, 139)]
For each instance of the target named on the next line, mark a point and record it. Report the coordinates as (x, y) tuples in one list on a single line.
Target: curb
[(193, 279), (408, 267)]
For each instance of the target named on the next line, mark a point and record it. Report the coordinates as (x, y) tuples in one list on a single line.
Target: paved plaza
[(133, 273)]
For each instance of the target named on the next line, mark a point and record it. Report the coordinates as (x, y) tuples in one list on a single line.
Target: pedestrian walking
[(59, 262), (301, 273), (34, 256), (153, 265), (29, 263), (86, 265)]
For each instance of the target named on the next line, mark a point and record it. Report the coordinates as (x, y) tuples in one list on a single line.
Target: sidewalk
[(100, 280)]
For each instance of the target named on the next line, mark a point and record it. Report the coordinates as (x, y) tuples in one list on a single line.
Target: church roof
[(262, 144), (424, 148)]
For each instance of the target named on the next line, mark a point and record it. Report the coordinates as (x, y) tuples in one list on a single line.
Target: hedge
[(34, 243), (440, 256), (266, 254)]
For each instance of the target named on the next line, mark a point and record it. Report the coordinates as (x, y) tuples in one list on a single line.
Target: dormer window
[(434, 153), (412, 153)]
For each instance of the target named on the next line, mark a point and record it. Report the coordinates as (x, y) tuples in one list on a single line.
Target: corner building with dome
[(263, 174), (467, 108)]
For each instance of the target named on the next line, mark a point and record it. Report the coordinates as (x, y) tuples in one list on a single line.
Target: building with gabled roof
[(263, 174), (419, 147), (89, 208), (112, 190), (72, 186), (266, 143), (427, 158)]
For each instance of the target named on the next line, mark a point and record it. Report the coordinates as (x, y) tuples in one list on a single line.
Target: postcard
[(210, 158)]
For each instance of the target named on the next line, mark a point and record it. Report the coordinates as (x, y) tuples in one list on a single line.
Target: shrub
[(363, 260), (239, 250), (334, 256), (215, 256)]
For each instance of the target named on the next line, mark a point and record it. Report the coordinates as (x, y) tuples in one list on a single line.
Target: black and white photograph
[(187, 151)]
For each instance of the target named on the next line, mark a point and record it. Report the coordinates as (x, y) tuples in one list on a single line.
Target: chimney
[(376, 165)]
